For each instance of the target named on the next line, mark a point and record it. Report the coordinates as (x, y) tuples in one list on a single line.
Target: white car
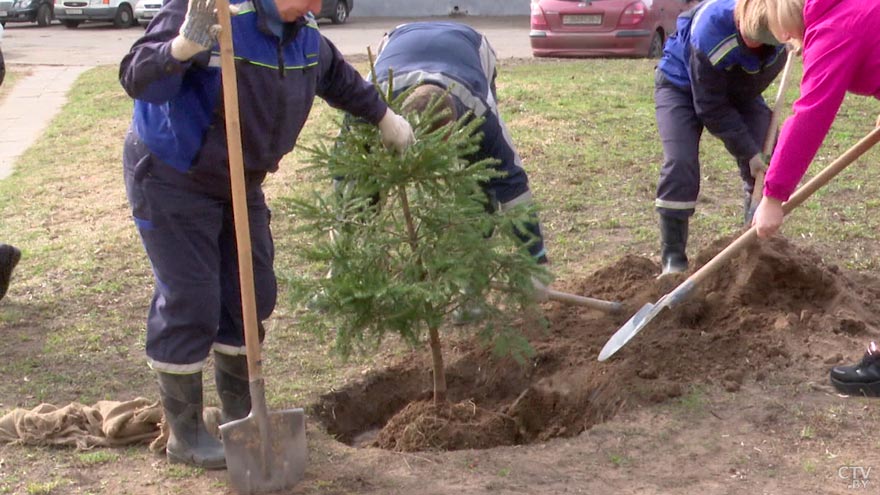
[(72, 13), (145, 10)]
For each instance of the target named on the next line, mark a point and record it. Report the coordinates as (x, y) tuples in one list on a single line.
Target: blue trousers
[(188, 232), (680, 132)]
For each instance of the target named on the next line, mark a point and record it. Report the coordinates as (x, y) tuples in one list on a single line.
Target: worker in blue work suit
[(451, 59), (711, 75), (177, 180)]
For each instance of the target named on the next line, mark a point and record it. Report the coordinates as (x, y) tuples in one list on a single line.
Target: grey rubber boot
[(189, 442), (231, 375), (673, 236)]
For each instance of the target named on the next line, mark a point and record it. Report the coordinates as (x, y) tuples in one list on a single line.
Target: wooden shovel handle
[(770, 140), (601, 305), (239, 195), (796, 200)]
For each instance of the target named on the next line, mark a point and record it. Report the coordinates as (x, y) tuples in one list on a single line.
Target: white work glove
[(756, 164), (396, 131), (198, 32)]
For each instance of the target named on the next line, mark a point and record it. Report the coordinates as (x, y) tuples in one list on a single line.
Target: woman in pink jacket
[(841, 51)]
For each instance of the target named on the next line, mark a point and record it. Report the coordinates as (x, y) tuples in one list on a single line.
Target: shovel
[(681, 293), (589, 302), (264, 452), (770, 141), (612, 307)]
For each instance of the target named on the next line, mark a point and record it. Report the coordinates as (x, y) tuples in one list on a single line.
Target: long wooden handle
[(770, 140), (796, 200), (601, 305), (239, 195)]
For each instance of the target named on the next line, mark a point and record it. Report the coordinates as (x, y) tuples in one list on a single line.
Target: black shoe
[(189, 442), (231, 375), (862, 378), (9, 256), (673, 237)]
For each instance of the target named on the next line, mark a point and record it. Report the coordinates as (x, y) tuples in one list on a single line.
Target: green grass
[(44, 488), (97, 457), (74, 317)]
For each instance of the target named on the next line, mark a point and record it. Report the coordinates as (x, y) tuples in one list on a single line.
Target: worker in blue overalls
[(177, 179), (711, 76), (453, 60)]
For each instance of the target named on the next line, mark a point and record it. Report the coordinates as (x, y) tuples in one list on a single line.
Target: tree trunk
[(439, 369), (436, 349)]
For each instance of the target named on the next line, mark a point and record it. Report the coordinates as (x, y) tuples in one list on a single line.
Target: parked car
[(72, 13), (335, 10), (145, 10), (603, 28), (39, 11)]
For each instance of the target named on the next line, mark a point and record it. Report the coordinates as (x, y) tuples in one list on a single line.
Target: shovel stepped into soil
[(681, 293)]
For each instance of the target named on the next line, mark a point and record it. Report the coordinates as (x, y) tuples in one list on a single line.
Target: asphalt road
[(100, 44)]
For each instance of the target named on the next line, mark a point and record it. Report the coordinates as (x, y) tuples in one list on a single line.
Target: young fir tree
[(409, 239)]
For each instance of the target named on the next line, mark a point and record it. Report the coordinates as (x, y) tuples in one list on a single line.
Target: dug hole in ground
[(727, 393)]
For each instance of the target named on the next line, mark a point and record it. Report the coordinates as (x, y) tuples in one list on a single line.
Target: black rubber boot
[(9, 257), (231, 375), (748, 212), (189, 442), (673, 236), (862, 378)]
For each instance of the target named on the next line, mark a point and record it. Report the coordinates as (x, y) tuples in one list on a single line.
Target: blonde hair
[(787, 16), (751, 17)]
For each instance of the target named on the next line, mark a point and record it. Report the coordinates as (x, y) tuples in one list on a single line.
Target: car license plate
[(580, 19), (147, 15), (74, 11), (3, 13)]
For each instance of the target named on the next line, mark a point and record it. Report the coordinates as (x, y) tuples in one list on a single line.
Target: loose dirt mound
[(774, 307)]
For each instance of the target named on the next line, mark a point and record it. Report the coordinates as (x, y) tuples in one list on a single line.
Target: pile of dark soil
[(775, 307)]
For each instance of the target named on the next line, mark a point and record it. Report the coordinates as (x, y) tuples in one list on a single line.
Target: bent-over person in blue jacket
[(442, 57)]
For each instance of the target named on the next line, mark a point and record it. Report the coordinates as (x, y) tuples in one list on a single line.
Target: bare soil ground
[(726, 394), (721, 395)]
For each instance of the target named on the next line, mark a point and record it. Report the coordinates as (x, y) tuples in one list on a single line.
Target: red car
[(603, 28)]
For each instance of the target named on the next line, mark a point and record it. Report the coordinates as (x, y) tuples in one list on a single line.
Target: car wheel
[(655, 49), (44, 15), (123, 17), (340, 15), (71, 24)]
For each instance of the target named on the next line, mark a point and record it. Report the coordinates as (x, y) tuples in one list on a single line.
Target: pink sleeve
[(830, 60)]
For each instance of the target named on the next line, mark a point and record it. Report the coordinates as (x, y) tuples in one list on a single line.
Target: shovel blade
[(629, 330), (257, 468)]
